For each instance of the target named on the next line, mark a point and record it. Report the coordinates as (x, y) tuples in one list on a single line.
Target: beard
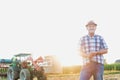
[(91, 31)]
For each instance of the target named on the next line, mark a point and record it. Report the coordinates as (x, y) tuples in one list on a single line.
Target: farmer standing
[(92, 49)]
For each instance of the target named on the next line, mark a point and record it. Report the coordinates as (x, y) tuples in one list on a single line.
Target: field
[(76, 77)]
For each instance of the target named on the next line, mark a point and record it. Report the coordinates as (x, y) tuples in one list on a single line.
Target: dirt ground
[(75, 77)]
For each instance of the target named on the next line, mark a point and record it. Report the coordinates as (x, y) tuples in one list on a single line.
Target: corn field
[(109, 67)]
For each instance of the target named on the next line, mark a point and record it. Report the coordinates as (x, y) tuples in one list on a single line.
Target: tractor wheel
[(24, 74), (12, 74)]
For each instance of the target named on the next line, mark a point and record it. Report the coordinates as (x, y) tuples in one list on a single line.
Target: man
[(92, 48)]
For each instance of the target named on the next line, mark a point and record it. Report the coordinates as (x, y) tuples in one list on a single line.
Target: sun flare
[(70, 60)]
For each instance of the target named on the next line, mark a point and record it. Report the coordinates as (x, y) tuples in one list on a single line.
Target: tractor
[(23, 67)]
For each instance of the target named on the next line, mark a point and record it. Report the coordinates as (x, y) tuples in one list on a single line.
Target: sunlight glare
[(70, 60)]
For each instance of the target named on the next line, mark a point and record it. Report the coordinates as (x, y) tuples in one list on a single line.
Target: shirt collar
[(92, 36)]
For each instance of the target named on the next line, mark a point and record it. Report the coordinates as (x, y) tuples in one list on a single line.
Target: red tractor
[(23, 67)]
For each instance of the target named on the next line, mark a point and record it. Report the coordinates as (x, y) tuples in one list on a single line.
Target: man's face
[(91, 28)]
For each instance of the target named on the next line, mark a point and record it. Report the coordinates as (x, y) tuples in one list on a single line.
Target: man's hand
[(92, 54)]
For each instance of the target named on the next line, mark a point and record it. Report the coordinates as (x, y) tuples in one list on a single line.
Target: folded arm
[(90, 55)]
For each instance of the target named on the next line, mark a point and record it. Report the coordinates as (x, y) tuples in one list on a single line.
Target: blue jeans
[(92, 69)]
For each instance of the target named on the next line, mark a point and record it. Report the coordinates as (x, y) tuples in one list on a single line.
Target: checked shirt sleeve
[(103, 44)]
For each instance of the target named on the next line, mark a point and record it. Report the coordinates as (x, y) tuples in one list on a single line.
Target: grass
[(111, 72), (3, 78)]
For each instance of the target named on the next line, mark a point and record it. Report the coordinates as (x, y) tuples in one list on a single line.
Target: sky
[(54, 27)]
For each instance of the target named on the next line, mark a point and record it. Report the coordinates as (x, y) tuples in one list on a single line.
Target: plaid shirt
[(90, 44)]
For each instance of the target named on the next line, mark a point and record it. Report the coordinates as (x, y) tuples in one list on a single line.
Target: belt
[(91, 62)]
